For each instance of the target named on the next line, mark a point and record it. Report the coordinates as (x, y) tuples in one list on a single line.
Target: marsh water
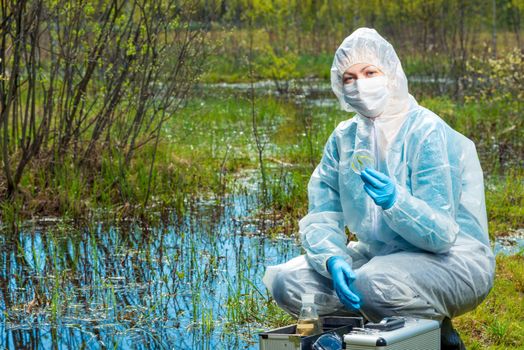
[(183, 285), (193, 281)]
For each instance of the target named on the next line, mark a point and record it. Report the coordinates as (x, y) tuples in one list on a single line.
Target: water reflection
[(511, 244), (186, 285)]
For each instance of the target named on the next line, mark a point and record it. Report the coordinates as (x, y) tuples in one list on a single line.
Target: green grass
[(505, 202), (498, 323)]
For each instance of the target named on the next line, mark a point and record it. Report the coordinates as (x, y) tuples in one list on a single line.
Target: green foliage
[(96, 77), (496, 79), (315, 65), (505, 202), (282, 67)]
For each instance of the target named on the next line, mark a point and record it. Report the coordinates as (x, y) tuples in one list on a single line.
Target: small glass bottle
[(308, 321)]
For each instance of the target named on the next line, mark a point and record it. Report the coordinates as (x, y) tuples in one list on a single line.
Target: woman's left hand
[(379, 187)]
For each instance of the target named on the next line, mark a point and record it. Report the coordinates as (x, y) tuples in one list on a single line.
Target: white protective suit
[(429, 254)]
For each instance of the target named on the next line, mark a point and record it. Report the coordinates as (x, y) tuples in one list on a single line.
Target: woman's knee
[(386, 294), (291, 280), (285, 293)]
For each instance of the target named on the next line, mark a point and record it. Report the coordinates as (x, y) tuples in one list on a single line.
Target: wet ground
[(513, 243)]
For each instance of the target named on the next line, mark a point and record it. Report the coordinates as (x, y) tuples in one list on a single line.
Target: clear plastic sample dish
[(361, 160)]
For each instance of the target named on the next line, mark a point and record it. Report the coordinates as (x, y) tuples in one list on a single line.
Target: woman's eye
[(371, 72)]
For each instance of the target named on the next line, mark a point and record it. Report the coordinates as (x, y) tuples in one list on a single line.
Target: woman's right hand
[(343, 276)]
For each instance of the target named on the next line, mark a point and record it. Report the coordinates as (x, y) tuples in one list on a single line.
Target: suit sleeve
[(322, 230), (425, 215)]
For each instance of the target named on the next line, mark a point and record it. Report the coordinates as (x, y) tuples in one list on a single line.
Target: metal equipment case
[(416, 334), (285, 338)]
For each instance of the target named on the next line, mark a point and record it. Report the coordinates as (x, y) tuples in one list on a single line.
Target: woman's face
[(360, 71)]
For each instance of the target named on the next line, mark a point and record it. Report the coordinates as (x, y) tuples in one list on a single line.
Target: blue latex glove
[(343, 276), (379, 187)]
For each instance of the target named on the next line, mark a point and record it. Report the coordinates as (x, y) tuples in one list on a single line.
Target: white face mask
[(367, 96)]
